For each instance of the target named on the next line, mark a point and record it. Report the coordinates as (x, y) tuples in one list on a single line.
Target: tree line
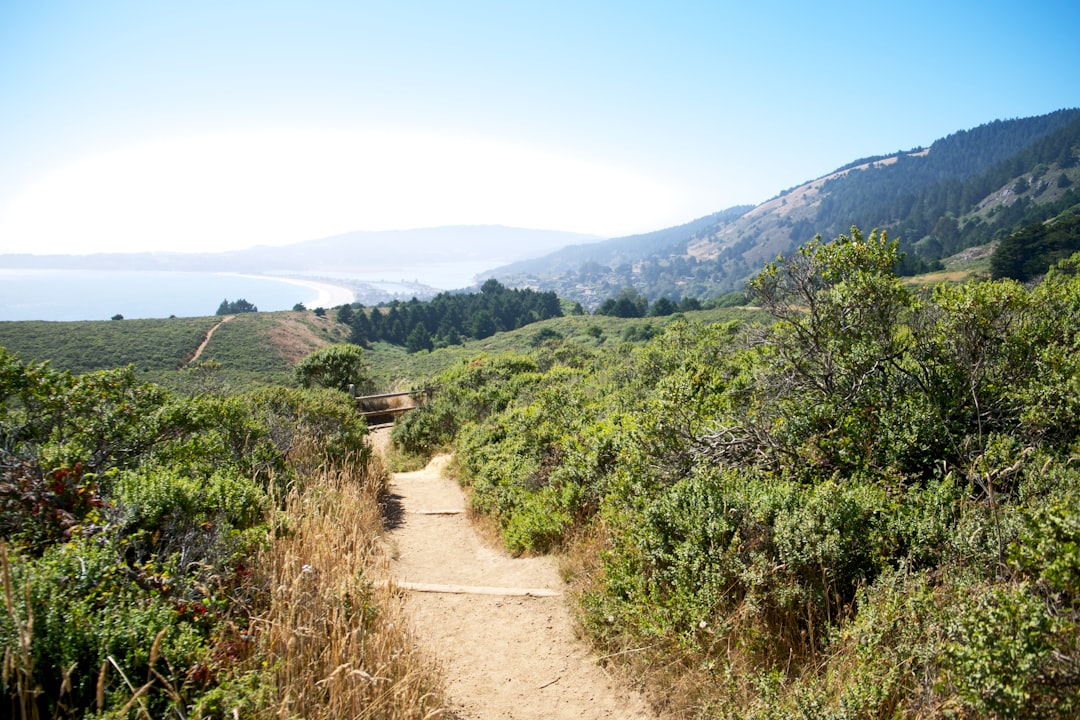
[(449, 318)]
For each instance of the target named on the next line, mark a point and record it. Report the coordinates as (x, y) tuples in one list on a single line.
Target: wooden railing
[(382, 409)]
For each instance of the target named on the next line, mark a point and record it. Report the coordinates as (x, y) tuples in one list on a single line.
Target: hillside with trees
[(866, 507), (450, 318), (859, 499), (1028, 252), (968, 189)]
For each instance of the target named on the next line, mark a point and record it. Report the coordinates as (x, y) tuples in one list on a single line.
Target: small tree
[(335, 367), (419, 339), (663, 306), (237, 306)]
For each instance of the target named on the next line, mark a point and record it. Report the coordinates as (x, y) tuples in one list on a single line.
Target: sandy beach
[(329, 295)]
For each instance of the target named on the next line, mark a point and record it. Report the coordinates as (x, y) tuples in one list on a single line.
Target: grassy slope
[(151, 345), (252, 348), (393, 368), (263, 347), (970, 264)]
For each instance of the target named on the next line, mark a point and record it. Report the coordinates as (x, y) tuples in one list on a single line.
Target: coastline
[(329, 296)]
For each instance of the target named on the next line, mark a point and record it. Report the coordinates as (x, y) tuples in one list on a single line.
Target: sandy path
[(206, 340), (506, 655)]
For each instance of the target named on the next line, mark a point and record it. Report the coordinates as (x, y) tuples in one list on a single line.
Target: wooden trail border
[(474, 589), (383, 409)]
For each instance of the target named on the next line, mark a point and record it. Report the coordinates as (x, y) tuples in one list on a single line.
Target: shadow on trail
[(392, 510)]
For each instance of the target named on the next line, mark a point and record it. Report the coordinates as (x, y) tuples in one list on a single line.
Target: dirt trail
[(206, 340), (498, 625)]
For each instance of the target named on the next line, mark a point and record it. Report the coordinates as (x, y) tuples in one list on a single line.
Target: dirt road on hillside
[(498, 625), (206, 340)]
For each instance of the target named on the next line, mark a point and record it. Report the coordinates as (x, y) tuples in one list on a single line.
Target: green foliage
[(150, 345), (468, 392), (545, 335), (334, 367), (1001, 656), (448, 318), (419, 339), (629, 303), (1031, 251), (128, 519), (864, 508), (236, 306), (243, 345)]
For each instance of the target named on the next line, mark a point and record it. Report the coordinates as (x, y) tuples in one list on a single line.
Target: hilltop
[(968, 189)]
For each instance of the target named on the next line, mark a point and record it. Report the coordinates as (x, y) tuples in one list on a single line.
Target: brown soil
[(295, 336), (499, 626), (206, 340)]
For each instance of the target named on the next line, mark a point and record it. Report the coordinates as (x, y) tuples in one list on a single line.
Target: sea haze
[(101, 294)]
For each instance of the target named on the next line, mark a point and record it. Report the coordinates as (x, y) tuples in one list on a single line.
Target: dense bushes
[(130, 518), (865, 509)]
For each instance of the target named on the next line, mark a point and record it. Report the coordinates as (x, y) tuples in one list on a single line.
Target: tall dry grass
[(334, 636)]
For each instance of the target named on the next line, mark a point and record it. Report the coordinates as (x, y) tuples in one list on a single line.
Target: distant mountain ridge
[(625, 249), (964, 190), (359, 251)]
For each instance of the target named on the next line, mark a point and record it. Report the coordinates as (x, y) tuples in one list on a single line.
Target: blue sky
[(216, 125)]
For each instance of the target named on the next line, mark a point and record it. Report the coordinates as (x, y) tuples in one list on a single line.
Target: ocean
[(101, 294)]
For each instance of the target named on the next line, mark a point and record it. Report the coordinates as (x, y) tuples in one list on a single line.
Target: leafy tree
[(418, 339), (663, 307), (362, 328), (334, 367), (237, 306), (483, 325), (629, 303), (345, 314), (1034, 248)]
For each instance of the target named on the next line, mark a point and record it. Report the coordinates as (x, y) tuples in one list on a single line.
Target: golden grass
[(333, 636)]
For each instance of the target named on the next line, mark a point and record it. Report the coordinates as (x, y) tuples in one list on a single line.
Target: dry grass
[(296, 334), (334, 637), (936, 278)]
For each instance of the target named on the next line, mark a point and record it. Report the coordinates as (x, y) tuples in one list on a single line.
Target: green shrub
[(128, 520), (84, 617)]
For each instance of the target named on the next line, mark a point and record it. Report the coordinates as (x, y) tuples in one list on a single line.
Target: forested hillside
[(450, 318), (1029, 251), (927, 198), (866, 508), (970, 188)]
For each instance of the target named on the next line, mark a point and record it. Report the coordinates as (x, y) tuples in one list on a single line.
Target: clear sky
[(130, 125)]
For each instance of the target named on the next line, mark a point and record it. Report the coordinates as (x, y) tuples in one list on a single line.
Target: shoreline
[(329, 296)]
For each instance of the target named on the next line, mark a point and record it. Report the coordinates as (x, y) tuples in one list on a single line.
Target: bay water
[(101, 294)]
